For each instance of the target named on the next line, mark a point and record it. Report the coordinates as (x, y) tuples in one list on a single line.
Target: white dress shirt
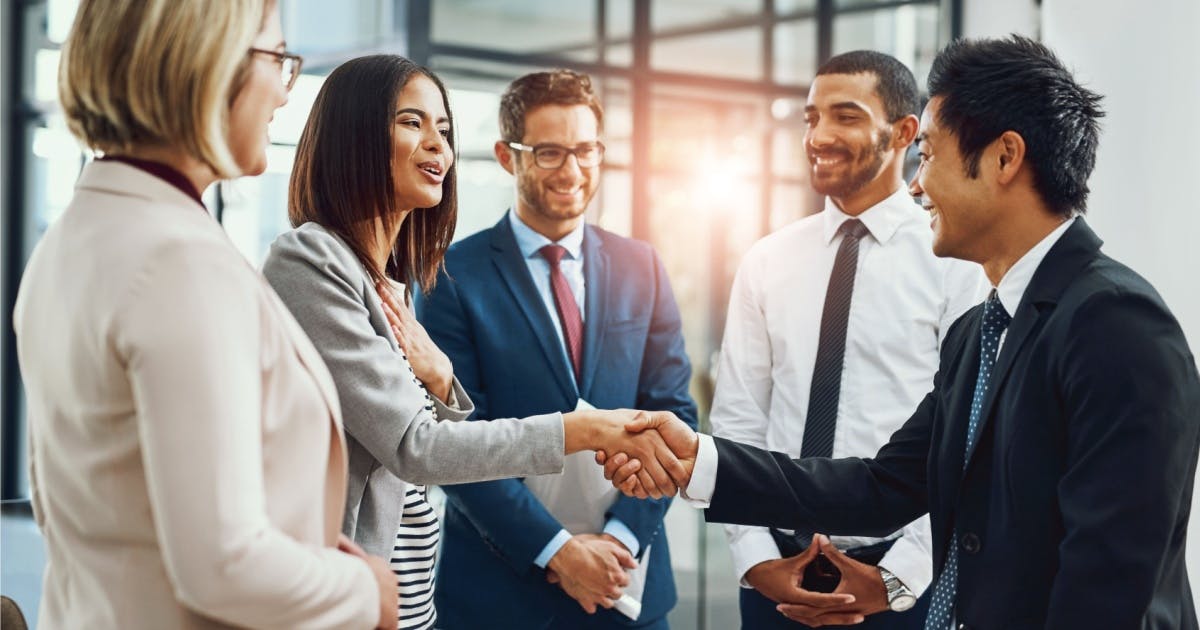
[(904, 300), (1012, 286)]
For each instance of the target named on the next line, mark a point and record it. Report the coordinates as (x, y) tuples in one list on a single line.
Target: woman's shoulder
[(311, 247)]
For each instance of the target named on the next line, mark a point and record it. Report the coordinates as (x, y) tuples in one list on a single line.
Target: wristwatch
[(900, 598)]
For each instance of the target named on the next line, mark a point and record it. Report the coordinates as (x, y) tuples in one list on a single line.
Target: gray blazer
[(390, 434)]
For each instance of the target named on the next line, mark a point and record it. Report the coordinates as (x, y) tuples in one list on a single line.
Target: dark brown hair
[(555, 87), (342, 178)]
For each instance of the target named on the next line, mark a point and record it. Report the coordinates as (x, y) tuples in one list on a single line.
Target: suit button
[(970, 543), (963, 626)]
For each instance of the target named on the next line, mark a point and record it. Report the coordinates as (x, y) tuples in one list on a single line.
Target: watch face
[(901, 603)]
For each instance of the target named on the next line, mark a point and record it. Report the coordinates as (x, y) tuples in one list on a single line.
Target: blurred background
[(704, 135)]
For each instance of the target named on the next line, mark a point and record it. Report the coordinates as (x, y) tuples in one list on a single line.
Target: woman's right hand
[(428, 362)]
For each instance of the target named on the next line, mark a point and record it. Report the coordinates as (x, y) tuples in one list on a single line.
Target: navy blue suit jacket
[(1073, 507), (491, 322)]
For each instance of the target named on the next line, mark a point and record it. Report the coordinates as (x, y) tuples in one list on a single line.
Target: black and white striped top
[(416, 546), (412, 560)]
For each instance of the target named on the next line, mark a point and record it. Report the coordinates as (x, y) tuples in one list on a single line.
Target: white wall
[(1145, 202), (996, 18)]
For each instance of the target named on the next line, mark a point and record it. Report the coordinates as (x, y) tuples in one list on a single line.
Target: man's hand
[(860, 581), (591, 569), (389, 588), (610, 431), (624, 469)]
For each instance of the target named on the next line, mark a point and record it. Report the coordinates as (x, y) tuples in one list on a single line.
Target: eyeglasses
[(553, 156), (289, 65)]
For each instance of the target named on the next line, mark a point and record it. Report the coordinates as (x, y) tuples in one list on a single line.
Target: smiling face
[(261, 93), (421, 152), (554, 200), (960, 214), (849, 140)]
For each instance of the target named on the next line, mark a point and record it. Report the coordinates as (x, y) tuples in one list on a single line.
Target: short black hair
[(896, 86), (990, 86)]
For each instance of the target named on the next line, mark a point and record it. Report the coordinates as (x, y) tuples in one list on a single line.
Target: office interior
[(704, 129)]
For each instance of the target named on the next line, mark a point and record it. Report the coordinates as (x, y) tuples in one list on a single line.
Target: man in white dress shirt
[(832, 339)]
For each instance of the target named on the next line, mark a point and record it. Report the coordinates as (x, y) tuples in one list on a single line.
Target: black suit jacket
[(1072, 510)]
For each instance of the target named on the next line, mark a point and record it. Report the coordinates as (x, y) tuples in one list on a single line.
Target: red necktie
[(564, 302)]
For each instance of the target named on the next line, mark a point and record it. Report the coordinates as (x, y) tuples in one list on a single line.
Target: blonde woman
[(187, 460)]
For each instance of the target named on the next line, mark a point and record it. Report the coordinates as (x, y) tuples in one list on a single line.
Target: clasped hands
[(646, 454), (859, 593)]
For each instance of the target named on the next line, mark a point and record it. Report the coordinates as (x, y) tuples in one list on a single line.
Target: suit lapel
[(596, 281), (1023, 322), (506, 256), (1077, 246)]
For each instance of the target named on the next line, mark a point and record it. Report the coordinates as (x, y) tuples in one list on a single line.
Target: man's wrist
[(899, 597), (553, 549)]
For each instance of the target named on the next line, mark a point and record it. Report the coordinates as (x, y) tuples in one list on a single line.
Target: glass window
[(331, 32), (794, 6), (619, 30), (790, 202), (787, 148), (908, 33), (736, 53), (254, 209), (565, 27), (668, 15), (795, 52)]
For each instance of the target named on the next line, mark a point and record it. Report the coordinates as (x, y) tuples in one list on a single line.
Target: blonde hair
[(158, 72)]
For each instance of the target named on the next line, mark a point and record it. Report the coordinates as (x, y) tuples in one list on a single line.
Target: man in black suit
[(1056, 452)]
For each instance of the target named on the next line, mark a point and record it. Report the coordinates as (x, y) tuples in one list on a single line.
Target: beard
[(864, 167)]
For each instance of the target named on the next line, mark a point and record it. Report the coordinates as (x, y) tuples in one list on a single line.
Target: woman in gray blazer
[(373, 200)]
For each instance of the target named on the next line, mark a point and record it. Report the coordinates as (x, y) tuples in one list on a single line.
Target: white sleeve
[(963, 286), (910, 557), (742, 401), (190, 337), (703, 483)]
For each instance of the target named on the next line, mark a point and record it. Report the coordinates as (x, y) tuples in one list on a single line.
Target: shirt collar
[(882, 219), (1016, 279), (530, 241)]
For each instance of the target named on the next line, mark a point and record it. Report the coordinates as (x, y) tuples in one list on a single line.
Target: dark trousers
[(758, 612)]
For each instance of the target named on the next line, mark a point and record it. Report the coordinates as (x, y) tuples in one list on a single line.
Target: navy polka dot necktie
[(995, 322)]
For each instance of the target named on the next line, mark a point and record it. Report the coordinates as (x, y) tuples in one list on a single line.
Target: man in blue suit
[(544, 313)]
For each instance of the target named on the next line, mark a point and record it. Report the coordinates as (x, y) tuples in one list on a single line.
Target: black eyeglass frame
[(537, 150), (281, 56)]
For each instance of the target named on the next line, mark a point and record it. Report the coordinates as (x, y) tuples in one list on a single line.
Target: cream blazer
[(186, 453)]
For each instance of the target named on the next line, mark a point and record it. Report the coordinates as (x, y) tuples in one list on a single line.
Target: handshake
[(646, 454)]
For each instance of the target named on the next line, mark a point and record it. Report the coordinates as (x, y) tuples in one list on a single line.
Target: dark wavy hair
[(990, 86), (553, 87), (342, 178)]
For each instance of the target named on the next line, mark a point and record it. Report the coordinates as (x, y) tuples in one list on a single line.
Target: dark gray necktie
[(831, 347)]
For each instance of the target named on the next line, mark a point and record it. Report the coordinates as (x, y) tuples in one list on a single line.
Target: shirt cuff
[(908, 560), (703, 483), (552, 548), (750, 546), (615, 528)]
